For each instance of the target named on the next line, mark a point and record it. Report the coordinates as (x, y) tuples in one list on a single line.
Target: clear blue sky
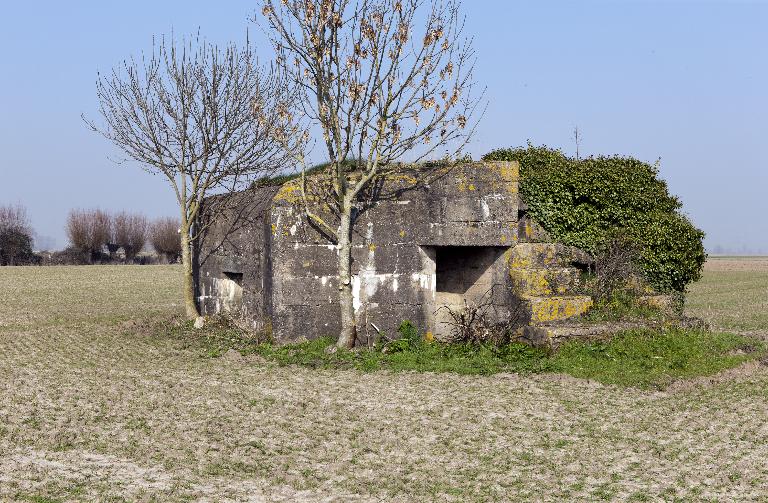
[(684, 81)]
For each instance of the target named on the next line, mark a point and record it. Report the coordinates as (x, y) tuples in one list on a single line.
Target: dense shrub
[(584, 202), (67, 256), (16, 248), (15, 237)]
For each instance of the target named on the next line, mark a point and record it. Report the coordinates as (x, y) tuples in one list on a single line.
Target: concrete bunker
[(452, 240)]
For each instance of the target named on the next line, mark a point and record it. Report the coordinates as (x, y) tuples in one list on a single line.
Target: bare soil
[(733, 264), (93, 407)]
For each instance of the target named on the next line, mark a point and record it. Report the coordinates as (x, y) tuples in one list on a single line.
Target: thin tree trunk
[(346, 300), (189, 282)]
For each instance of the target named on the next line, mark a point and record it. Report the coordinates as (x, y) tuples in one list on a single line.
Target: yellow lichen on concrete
[(548, 309), (461, 183), (532, 282), (402, 178), (290, 192), (535, 254), (519, 261), (528, 230), (508, 171)]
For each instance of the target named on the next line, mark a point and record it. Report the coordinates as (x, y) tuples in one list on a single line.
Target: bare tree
[(15, 218), (100, 226), (112, 245), (201, 117), (380, 90), (616, 267), (88, 231), (130, 233), (78, 232), (164, 234)]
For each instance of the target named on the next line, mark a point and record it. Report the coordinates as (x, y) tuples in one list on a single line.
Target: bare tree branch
[(204, 118)]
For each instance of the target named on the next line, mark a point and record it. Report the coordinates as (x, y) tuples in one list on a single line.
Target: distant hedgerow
[(583, 202)]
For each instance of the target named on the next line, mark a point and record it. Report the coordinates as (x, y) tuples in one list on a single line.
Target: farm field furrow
[(95, 408)]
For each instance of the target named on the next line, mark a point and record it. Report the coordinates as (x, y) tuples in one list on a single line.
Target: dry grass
[(733, 294), (94, 409)]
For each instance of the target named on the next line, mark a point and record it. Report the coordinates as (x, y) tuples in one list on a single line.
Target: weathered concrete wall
[(235, 249), (397, 242)]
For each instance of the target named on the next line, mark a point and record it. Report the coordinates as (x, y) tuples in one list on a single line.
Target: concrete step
[(545, 255), (552, 336), (552, 309), (543, 282)]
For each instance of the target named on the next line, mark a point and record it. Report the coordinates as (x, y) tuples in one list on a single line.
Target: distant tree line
[(97, 236)]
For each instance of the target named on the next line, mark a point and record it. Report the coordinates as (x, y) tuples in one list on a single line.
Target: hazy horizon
[(683, 81)]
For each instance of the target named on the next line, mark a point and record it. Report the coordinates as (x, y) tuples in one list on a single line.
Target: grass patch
[(655, 359), (349, 165), (465, 359), (637, 358)]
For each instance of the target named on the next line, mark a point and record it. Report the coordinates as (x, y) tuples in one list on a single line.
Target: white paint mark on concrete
[(426, 281), (486, 209), (371, 285), (356, 302), (422, 279)]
